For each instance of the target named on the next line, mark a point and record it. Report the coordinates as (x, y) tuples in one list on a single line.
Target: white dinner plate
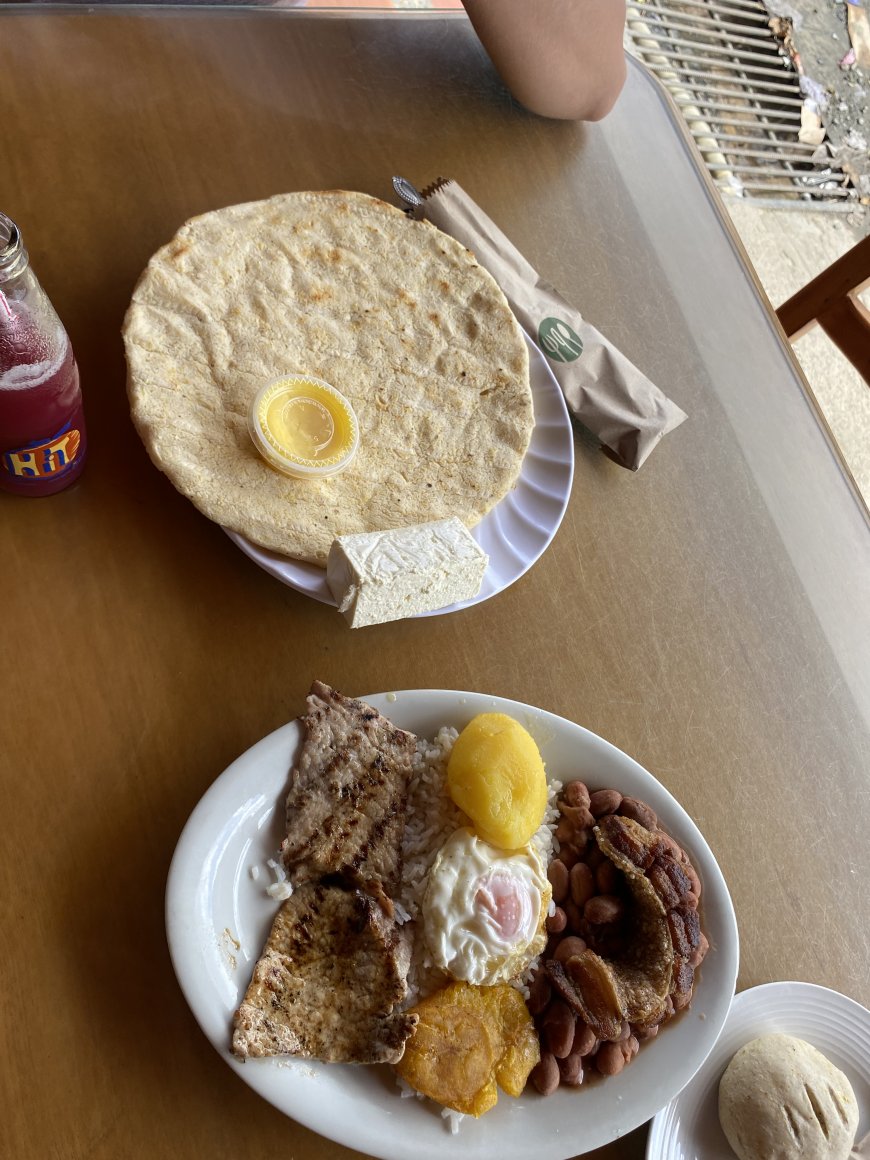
[(688, 1128), (218, 916), (518, 530)]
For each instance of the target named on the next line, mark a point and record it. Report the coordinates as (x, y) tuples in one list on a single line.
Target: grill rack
[(740, 95)]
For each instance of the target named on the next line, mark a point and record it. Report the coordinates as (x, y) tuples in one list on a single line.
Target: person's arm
[(559, 58)]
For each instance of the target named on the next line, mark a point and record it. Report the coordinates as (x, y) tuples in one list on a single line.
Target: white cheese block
[(381, 576)]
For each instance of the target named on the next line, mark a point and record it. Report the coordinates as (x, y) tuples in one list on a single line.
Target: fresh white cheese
[(381, 576)]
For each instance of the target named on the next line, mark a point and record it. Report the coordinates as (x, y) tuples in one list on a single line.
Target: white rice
[(452, 1119), (432, 818), (282, 887)]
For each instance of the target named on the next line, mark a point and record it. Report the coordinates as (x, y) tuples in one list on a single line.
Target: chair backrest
[(832, 301)]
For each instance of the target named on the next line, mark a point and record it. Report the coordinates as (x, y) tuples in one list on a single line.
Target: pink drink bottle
[(42, 425)]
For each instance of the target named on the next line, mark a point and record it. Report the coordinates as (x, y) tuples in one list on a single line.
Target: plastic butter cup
[(304, 427)]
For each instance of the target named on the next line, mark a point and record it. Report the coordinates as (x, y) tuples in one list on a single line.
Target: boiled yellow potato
[(496, 775)]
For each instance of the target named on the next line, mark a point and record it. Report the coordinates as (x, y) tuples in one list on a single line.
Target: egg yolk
[(506, 904)]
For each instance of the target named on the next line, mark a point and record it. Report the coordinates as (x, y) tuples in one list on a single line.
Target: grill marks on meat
[(335, 964), (348, 800), (333, 968)]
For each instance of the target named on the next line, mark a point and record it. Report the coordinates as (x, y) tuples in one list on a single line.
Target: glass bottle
[(42, 426)]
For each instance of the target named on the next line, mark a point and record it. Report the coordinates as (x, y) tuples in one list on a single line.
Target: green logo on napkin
[(559, 341)]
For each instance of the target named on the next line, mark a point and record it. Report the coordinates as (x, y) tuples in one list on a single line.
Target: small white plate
[(688, 1128), (218, 916), (518, 530)]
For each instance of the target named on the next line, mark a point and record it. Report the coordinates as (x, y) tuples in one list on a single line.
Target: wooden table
[(710, 614)]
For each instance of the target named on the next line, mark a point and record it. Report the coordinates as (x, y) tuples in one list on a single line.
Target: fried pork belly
[(665, 934)]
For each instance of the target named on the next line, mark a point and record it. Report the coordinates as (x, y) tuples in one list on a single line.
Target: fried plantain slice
[(522, 1047), (452, 1053), (469, 1040)]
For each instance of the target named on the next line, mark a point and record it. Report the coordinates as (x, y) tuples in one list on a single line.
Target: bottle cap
[(304, 427)]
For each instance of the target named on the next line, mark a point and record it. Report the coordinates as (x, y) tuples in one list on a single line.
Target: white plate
[(217, 919), (518, 530), (688, 1128)]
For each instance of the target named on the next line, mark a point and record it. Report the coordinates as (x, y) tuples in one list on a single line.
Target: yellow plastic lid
[(304, 427)]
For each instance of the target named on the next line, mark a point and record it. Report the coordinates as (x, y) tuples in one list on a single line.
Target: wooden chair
[(831, 300)]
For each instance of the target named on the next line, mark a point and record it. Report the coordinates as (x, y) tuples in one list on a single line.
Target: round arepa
[(397, 316), (780, 1098)]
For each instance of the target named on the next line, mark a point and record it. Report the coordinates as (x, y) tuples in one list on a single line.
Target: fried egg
[(484, 909)]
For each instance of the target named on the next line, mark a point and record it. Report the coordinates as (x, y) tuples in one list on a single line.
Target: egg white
[(484, 909)]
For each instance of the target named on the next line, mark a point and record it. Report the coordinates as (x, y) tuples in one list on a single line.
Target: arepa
[(396, 315), (780, 1098)]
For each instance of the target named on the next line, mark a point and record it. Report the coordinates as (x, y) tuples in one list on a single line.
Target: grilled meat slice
[(348, 799), (328, 981)]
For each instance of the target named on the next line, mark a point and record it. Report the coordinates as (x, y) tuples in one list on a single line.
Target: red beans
[(571, 1070), (558, 874), (609, 1059), (585, 1041), (579, 816), (575, 793), (604, 801), (572, 945), (692, 875), (557, 1028), (582, 884), (569, 855), (564, 831), (557, 921), (592, 903), (639, 812), (701, 952), (545, 1075), (575, 916)]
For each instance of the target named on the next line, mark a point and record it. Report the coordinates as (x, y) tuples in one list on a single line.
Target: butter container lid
[(304, 427)]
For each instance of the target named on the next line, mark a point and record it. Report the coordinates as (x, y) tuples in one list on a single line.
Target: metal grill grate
[(741, 97)]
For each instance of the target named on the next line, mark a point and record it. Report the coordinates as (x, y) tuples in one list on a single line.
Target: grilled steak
[(349, 793), (332, 971), (335, 964)]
